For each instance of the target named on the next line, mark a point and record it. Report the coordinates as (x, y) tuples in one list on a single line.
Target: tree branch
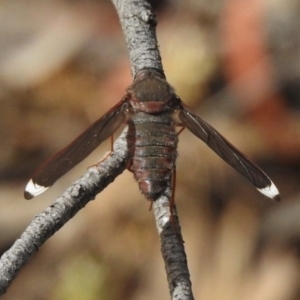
[(139, 25), (172, 248), (138, 22), (44, 225)]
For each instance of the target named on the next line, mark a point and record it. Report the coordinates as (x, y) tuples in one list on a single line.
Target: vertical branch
[(172, 248), (138, 22)]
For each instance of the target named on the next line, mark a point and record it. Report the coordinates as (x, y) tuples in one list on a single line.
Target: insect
[(152, 110)]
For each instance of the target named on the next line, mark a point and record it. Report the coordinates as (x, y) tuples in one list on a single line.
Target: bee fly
[(152, 110)]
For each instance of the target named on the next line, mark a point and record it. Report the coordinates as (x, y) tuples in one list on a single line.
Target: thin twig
[(138, 22), (172, 248), (45, 224)]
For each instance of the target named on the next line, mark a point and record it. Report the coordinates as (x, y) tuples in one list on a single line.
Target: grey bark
[(138, 22), (139, 25), (45, 224)]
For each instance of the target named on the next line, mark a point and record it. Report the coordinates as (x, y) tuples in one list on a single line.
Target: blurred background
[(63, 64)]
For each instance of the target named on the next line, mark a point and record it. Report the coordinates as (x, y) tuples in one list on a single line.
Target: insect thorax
[(151, 95)]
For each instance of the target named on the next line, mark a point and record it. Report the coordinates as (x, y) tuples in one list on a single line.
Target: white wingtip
[(33, 189), (271, 191)]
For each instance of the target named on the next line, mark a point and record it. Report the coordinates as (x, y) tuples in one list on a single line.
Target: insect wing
[(229, 153), (74, 153)]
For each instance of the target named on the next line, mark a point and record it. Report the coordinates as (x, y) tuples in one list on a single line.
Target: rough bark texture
[(139, 23), (61, 211), (172, 248)]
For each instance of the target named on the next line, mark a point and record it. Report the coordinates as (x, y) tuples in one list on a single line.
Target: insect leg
[(151, 204), (112, 143), (181, 129), (129, 166), (172, 200), (108, 153)]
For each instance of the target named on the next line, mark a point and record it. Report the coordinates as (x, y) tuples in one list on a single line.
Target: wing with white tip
[(74, 153), (229, 153)]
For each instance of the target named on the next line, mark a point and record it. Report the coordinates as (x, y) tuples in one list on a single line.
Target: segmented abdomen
[(152, 142)]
